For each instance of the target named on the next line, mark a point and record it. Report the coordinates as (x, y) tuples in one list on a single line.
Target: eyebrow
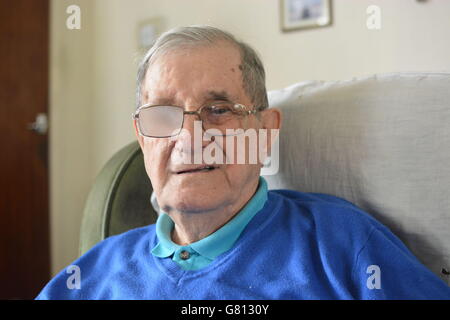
[(208, 96), (216, 95)]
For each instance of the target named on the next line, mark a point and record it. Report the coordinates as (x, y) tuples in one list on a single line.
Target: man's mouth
[(198, 169)]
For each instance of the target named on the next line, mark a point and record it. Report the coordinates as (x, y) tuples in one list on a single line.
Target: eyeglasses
[(159, 121)]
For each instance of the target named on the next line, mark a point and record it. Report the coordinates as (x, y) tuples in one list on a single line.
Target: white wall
[(71, 129), (115, 65), (98, 89)]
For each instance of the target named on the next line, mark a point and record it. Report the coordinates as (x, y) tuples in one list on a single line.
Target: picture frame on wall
[(305, 14)]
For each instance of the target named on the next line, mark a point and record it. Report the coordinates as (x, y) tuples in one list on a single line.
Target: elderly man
[(221, 233)]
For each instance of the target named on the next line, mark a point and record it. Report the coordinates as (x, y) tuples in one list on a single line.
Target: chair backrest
[(119, 199), (380, 142)]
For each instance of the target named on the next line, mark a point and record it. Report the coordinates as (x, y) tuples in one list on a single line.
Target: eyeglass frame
[(135, 114)]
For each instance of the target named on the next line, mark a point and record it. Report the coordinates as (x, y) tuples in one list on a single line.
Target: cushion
[(381, 142)]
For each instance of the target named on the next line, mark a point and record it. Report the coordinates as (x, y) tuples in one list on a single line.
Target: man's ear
[(140, 138), (271, 118), (271, 121)]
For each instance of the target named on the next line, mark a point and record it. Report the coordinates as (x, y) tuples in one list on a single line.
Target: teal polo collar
[(216, 243)]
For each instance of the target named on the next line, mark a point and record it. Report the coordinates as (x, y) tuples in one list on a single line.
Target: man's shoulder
[(103, 259), (310, 197), (351, 244), (329, 223), (131, 236), (324, 209), (127, 243)]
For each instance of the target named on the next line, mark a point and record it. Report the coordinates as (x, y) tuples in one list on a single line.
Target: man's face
[(192, 78)]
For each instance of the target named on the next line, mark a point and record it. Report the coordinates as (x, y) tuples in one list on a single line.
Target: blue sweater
[(299, 246)]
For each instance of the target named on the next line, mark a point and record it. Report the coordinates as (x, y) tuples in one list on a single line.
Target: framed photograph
[(303, 14)]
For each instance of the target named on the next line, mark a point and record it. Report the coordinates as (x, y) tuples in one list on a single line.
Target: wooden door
[(24, 221)]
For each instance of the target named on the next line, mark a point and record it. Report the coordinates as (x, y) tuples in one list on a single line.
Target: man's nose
[(191, 135)]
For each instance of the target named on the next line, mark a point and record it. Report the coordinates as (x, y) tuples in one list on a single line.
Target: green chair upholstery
[(119, 199)]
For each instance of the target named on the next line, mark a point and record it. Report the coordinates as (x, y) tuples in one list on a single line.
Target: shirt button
[(184, 255)]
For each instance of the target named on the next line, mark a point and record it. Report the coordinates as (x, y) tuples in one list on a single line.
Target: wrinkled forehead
[(206, 71)]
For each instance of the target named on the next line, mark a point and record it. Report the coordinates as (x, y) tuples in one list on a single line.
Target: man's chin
[(196, 200), (194, 193)]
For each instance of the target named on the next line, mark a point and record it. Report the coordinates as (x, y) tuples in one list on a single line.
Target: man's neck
[(192, 227)]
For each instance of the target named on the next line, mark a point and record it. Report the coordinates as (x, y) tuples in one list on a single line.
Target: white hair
[(253, 74)]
